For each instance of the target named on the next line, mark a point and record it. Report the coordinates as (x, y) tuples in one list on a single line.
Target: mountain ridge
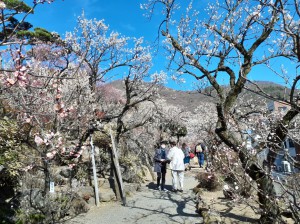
[(190, 100)]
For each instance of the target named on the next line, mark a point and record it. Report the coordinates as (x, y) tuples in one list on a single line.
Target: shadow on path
[(172, 207), (152, 186), (238, 218)]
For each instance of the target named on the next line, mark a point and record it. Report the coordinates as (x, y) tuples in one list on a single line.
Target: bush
[(208, 181), (36, 208)]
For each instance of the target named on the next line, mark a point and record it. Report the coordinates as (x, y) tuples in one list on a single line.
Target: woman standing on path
[(176, 157), (160, 165)]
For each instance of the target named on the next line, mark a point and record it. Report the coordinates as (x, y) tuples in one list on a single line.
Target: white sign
[(51, 187)]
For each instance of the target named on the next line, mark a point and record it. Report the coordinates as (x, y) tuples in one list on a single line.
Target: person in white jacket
[(176, 157)]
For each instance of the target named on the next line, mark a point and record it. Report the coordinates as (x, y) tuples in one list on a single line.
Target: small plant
[(208, 181), (33, 218)]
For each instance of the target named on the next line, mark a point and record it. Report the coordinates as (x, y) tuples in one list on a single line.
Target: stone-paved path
[(149, 206)]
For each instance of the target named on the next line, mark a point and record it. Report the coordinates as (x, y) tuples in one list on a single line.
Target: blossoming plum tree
[(55, 88), (227, 43)]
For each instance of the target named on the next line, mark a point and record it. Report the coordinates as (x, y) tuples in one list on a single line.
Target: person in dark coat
[(160, 166)]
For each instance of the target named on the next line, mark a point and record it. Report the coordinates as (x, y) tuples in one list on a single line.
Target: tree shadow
[(180, 200), (238, 218)]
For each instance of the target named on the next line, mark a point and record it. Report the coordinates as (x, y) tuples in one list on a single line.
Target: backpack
[(199, 148)]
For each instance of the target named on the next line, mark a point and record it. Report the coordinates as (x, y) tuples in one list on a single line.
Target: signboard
[(52, 187)]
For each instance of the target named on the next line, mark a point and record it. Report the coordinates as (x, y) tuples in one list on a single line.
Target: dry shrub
[(208, 181)]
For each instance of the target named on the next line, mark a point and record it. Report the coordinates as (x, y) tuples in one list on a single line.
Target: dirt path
[(149, 206)]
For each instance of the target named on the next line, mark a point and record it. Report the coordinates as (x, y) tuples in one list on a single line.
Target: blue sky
[(126, 18), (123, 16)]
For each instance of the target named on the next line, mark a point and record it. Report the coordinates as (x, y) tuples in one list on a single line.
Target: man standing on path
[(176, 157), (160, 165)]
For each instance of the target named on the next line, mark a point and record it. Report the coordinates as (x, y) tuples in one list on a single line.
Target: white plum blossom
[(38, 140), (2, 5), (160, 77)]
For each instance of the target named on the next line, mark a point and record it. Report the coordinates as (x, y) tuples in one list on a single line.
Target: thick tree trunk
[(267, 200), (270, 211), (266, 189)]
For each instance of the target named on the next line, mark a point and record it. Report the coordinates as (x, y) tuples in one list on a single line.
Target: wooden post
[(117, 167), (94, 170)]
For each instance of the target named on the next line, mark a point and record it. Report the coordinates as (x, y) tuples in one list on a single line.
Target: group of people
[(179, 160)]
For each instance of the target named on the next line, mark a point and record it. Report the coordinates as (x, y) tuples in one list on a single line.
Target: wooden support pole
[(117, 167), (94, 170)]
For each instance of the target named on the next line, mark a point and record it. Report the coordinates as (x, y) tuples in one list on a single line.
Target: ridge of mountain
[(190, 100)]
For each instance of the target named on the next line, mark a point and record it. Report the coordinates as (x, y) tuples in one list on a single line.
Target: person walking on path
[(176, 157), (160, 166), (199, 150), (186, 151)]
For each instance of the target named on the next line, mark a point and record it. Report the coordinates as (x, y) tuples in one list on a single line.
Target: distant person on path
[(160, 166), (199, 151), (176, 157), (186, 151)]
